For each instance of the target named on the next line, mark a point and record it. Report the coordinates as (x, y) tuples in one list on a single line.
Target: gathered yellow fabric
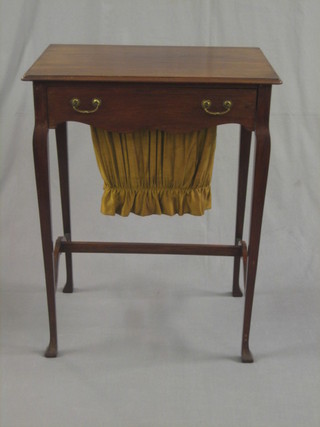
[(155, 172)]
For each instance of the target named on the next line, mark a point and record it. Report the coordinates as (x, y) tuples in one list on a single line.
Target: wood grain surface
[(153, 64)]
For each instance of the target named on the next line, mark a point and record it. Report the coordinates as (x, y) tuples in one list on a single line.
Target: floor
[(153, 348)]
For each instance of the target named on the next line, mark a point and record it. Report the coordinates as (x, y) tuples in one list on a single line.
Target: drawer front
[(129, 107)]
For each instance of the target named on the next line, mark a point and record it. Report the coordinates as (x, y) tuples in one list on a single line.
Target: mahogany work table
[(128, 88)]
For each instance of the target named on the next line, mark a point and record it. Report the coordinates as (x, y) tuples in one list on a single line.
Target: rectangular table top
[(172, 64)]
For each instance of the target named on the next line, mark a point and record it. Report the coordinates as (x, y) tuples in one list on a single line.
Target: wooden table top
[(102, 63)]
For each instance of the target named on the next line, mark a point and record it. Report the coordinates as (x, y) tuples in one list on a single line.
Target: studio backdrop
[(287, 32)]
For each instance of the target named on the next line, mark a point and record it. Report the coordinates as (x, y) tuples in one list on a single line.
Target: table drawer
[(128, 107)]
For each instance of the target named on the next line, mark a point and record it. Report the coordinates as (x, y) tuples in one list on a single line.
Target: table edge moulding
[(166, 88)]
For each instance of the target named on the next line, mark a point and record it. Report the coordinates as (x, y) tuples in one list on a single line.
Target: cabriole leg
[(244, 155), (62, 150), (40, 151), (259, 189), (260, 176)]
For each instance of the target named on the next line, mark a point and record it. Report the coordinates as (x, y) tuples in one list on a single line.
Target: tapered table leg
[(62, 150), (244, 156), (261, 166), (40, 151)]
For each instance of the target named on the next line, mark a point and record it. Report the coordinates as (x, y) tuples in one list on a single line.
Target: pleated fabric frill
[(155, 172)]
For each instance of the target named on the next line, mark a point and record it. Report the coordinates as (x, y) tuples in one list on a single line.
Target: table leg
[(62, 150), (262, 156), (244, 155), (40, 152)]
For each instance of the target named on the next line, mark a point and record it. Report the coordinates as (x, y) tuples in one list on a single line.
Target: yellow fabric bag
[(155, 172)]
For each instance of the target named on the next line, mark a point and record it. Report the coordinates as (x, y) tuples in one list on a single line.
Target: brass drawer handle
[(206, 104), (75, 102)]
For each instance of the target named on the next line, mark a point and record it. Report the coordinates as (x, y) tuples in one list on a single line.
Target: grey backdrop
[(152, 340)]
